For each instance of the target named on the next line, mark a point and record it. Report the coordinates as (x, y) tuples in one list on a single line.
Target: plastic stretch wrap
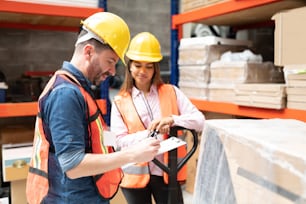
[(199, 73), (245, 72), (252, 161), (261, 95), (194, 89), (204, 50)]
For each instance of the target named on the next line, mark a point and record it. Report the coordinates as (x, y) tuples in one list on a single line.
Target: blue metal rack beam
[(174, 72), (104, 87)]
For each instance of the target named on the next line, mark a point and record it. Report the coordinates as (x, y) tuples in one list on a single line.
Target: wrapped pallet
[(252, 161)]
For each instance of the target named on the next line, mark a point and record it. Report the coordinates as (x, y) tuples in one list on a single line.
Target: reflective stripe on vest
[(137, 176), (37, 181)]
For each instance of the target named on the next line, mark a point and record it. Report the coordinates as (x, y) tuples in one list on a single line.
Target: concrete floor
[(187, 197)]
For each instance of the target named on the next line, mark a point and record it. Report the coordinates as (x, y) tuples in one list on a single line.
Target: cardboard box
[(252, 161), (289, 37), (15, 161), (18, 192), (15, 167), (192, 162), (119, 198)]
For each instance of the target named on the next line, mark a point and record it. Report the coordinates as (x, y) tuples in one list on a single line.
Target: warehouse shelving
[(23, 15), (236, 13), (30, 108), (15, 14), (253, 112)]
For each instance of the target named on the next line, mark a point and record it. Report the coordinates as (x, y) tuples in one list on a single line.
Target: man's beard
[(97, 81)]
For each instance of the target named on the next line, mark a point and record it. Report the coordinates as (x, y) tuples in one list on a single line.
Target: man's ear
[(88, 50)]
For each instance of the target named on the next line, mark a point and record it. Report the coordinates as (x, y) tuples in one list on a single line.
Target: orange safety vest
[(37, 181), (138, 175)]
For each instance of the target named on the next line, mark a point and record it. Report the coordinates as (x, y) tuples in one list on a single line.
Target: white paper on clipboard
[(109, 138), (170, 144), (165, 146)]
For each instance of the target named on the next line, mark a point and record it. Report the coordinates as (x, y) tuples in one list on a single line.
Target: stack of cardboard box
[(16, 143), (289, 52)]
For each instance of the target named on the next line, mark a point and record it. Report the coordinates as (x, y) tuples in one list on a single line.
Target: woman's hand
[(162, 125)]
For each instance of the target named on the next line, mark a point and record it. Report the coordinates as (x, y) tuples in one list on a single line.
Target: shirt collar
[(78, 75), (136, 92)]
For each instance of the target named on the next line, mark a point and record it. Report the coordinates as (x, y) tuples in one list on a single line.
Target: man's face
[(102, 65)]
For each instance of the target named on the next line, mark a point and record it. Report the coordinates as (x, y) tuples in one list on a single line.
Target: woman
[(143, 104)]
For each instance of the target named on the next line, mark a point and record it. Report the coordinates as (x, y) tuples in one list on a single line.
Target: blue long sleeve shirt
[(65, 124)]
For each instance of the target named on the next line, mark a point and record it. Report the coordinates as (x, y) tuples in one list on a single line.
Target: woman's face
[(142, 73)]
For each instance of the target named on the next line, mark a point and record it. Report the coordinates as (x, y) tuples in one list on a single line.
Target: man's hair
[(97, 44)]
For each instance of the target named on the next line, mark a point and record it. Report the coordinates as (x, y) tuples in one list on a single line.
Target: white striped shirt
[(148, 109)]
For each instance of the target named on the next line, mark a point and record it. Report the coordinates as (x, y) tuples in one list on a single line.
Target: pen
[(154, 133)]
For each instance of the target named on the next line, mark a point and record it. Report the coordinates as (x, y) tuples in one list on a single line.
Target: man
[(70, 164)]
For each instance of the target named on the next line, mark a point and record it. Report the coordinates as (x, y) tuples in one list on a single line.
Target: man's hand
[(145, 150)]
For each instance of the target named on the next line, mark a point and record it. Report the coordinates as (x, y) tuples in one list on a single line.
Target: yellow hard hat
[(144, 47), (112, 30)]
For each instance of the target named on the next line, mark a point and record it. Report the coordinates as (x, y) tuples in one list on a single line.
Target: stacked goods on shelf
[(290, 46), (221, 92), (245, 70), (190, 5), (195, 56), (261, 95), (74, 3), (251, 161), (193, 80), (289, 37), (295, 76), (225, 73)]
